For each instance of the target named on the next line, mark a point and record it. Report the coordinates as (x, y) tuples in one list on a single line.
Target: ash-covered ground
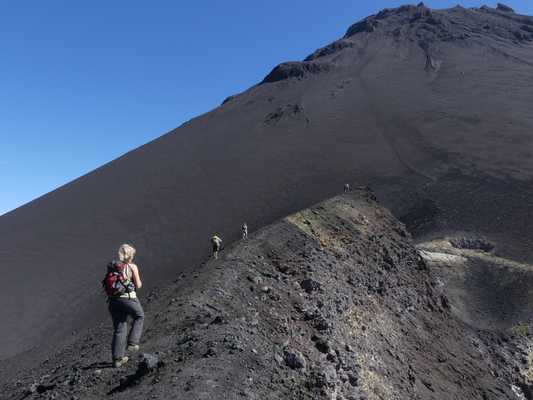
[(333, 302)]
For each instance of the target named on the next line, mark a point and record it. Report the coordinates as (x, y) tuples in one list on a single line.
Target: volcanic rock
[(354, 343), (504, 8), (295, 360), (295, 70)]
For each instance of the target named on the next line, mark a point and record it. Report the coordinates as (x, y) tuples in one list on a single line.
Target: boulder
[(504, 8), (295, 360), (148, 362), (310, 285), (295, 69)]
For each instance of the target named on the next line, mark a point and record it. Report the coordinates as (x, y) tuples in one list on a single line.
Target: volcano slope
[(332, 302), (429, 107)]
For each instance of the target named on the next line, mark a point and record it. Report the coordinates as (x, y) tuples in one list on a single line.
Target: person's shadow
[(98, 365)]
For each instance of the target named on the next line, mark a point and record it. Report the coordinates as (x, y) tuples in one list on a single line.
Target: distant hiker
[(244, 231), (217, 243), (120, 283), (346, 187)]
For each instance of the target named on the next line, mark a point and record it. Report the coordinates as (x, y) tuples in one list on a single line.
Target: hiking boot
[(132, 348), (120, 362)]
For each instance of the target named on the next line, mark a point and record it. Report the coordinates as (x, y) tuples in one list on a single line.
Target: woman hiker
[(121, 282)]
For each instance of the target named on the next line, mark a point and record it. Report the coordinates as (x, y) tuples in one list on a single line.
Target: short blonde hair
[(126, 253)]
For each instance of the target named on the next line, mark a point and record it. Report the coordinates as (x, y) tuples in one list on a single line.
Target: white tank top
[(129, 274)]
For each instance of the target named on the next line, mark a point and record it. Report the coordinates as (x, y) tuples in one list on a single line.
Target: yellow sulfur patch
[(355, 323), (373, 384), (315, 227)]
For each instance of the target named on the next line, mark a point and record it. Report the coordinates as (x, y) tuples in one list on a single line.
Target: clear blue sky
[(82, 82)]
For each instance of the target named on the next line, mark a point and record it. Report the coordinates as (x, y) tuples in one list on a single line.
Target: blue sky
[(84, 82)]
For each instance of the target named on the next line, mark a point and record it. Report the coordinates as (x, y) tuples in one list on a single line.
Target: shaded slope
[(339, 284), (487, 291), (420, 104)]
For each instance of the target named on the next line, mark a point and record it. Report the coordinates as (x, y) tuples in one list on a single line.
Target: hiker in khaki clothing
[(244, 230), (217, 243)]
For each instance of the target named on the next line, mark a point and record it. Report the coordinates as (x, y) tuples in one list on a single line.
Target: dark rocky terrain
[(431, 108), (333, 302)]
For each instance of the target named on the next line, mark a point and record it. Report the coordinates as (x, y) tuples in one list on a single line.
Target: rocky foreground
[(333, 302)]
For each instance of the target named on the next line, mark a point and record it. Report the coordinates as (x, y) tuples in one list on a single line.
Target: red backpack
[(116, 281)]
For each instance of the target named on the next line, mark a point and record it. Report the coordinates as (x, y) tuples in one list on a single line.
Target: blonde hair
[(126, 253)]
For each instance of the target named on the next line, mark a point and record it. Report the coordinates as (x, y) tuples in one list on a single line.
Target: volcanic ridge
[(332, 302)]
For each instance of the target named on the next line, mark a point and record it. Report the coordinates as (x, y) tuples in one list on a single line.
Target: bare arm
[(136, 276)]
